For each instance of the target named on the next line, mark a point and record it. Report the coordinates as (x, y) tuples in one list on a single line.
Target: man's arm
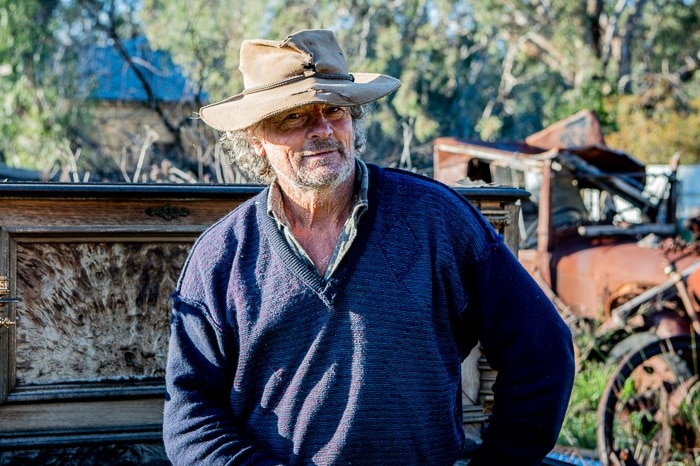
[(198, 426), (530, 347)]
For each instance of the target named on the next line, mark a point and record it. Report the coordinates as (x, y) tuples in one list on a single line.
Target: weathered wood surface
[(105, 417), (93, 267)]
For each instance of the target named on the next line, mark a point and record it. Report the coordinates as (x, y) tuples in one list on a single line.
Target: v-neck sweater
[(269, 363)]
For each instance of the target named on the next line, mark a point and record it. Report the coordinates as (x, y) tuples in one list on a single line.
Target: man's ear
[(258, 146)]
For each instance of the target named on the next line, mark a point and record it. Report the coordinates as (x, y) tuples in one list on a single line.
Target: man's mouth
[(317, 154), (321, 151)]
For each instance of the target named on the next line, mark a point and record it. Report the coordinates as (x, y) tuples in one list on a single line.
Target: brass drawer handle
[(6, 323)]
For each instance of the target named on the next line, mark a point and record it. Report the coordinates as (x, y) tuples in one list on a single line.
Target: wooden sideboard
[(86, 272)]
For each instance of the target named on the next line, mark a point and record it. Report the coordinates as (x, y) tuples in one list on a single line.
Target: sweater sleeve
[(198, 427), (528, 344)]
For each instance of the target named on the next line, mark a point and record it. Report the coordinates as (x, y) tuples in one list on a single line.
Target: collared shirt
[(275, 209)]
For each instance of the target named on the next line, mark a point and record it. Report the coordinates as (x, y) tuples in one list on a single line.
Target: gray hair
[(238, 147)]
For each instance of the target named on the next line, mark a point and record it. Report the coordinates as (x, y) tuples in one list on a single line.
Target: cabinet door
[(83, 349), (87, 353)]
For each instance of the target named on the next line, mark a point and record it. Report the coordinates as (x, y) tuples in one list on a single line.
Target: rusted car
[(592, 229), (601, 237)]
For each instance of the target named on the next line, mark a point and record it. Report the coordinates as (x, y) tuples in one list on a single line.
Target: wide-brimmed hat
[(308, 67)]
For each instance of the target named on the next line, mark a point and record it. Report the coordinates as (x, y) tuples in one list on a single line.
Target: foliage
[(500, 69), (580, 424), (204, 37), (34, 113), (654, 137), (497, 69), (45, 114)]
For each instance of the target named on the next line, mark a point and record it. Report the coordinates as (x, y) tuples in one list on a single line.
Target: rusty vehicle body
[(601, 237), (592, 228)]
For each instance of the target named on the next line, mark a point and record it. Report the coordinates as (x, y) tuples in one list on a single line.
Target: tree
[(494, 69), (49, 111), (561, 57), (45, 112), (398, 38), (34, 115)]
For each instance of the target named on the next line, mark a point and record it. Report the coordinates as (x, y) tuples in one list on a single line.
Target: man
[(325, 320)]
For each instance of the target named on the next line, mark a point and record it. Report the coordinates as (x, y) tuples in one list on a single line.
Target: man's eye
[(335, 111), (292, 116)]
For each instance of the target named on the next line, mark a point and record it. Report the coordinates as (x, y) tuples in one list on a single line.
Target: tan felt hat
[(307, 67)]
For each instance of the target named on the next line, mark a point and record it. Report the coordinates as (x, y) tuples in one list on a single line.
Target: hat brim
[(244, 110)]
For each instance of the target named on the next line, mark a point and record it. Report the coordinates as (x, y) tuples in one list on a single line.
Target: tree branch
[(153, 102)]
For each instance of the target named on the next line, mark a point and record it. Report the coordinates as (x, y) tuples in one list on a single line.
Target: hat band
[(293, 79)]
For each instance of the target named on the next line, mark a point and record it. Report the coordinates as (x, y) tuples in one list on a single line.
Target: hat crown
[(307, 67), (265, 63)]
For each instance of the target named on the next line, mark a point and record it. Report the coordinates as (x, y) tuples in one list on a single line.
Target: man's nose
[(320, 127)]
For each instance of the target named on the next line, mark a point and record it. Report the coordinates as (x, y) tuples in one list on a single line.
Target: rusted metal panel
[(590, 278), (573, 256), (599, 265), (454, 159), (580, 129), (628, 278)]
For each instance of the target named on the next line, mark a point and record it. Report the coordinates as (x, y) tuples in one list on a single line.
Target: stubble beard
[(315, 179)]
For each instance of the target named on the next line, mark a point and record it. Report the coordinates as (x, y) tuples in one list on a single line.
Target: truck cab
[(591, 227)]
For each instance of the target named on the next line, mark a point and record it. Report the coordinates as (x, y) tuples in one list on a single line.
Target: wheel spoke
[(648, 414)]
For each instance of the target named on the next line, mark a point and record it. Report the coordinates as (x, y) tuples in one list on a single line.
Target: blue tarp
[(108, 76)]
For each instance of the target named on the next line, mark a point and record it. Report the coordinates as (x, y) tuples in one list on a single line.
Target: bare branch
[(692, 64)]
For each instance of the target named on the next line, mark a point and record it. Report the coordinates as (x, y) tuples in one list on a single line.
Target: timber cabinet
[(86, 273)]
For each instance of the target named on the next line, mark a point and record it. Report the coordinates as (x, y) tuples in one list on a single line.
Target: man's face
[(311, 147)]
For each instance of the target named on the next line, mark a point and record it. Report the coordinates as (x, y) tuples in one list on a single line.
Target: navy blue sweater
[(270, 364)]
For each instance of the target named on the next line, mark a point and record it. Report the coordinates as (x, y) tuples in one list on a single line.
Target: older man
[(325, 320)]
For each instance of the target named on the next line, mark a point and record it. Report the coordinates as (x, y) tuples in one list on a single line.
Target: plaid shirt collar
[(275, 209)]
